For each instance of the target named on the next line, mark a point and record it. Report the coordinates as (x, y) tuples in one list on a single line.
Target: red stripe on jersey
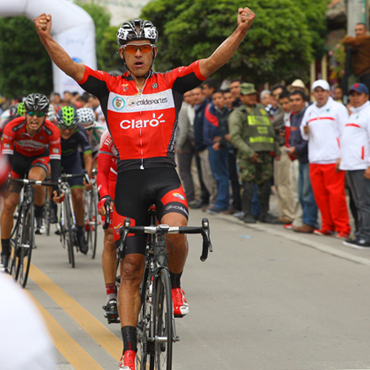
[(353, 125), (321, 118)]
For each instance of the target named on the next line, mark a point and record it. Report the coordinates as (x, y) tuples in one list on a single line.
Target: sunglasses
[(38, 114), (144, 48), (65, 128)]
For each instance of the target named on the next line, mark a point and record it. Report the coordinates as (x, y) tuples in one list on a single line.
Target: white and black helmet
[(129, 32), (85, 115), (36, 102)]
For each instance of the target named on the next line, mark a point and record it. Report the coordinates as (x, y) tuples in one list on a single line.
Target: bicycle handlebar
[(165, 229), (36, 182)]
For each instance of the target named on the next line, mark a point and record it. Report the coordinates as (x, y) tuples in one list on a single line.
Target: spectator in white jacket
[(322, 126), (355, 159)]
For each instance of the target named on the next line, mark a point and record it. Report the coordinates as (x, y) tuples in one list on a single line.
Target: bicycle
[(156, 331), (67, 221), (23, 237), (91, 199)]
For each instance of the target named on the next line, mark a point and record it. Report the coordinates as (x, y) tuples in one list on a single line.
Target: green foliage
[(280, 45), (105, 36), (24, 64)]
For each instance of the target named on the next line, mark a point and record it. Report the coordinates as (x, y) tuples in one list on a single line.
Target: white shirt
[(355, 142), (326, 125), (24, 340)]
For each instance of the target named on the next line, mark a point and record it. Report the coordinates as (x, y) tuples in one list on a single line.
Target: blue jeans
[(218, 160), (306, 197)]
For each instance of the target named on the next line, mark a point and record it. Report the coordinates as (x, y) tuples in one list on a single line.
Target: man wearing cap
[(252, 135), (355, 159), (322, 125)]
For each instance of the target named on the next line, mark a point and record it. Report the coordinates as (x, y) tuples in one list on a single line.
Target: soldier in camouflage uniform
[(253, 135)]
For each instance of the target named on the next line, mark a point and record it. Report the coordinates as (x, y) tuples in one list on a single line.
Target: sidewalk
[(326, 244)]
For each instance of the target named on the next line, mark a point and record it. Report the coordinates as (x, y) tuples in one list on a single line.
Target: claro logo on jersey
[(142, 102), (154, 122)]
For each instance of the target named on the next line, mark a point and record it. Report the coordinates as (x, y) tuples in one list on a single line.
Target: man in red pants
[(322, 126)]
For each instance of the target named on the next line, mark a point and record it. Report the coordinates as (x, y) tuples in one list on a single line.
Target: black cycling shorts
[(136, 191), (22, 164), (71, 164)]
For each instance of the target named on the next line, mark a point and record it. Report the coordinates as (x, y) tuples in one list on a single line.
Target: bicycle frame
[(156, 329)]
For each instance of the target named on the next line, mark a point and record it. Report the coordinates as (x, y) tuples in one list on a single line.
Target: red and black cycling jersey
[(46, 141), (142, 125)]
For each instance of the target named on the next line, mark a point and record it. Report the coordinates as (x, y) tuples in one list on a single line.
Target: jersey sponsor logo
[(141, 102), (31, 144), (154, 122), (125, 87), (177, 195), (7, 145), (177, 208), (118, 103), (155, 85), (55, 150)]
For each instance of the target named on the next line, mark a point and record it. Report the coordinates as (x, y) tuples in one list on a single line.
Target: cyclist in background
[(30, 143), (15, 111), (106, 182), (141, 109), (74, 136), (86, 117)]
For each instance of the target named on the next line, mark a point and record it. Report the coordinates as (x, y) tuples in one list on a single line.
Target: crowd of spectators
[(233, 152)]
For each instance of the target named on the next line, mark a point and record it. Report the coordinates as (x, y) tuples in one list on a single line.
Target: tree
[(24, 64), (278, 46)]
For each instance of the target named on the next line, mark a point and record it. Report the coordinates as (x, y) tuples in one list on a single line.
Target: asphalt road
[(266, 299)]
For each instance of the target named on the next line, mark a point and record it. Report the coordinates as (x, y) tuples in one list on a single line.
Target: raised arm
[(226, 50), (57, 54)]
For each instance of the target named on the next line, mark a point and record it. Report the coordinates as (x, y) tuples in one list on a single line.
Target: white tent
[(72, 28)]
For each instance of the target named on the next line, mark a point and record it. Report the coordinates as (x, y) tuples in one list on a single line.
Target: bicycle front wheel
[(26, 246), (67, 231), (91, 216), (144, 320), (163, 330)]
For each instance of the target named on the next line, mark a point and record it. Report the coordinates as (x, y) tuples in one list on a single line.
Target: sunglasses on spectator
[(132, 48), (38, 114)]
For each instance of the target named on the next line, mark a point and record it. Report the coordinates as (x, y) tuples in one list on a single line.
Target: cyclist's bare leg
[(179, 243), (10, 203), (109, 257), (78, 205), (132, 268), (38, 173)]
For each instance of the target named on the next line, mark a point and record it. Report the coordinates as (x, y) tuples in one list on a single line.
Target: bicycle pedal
[(177, 339), (113, 321)]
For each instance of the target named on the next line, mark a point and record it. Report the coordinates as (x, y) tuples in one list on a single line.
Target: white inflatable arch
[(72, 28)]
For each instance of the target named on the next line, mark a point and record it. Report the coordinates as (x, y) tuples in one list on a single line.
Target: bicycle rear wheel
[(26, 246), (163, 330)]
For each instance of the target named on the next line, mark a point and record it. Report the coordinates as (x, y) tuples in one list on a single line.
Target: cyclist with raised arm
[(74, 136), (30, 143), (106, 182), (141, 109), (86, 117)]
